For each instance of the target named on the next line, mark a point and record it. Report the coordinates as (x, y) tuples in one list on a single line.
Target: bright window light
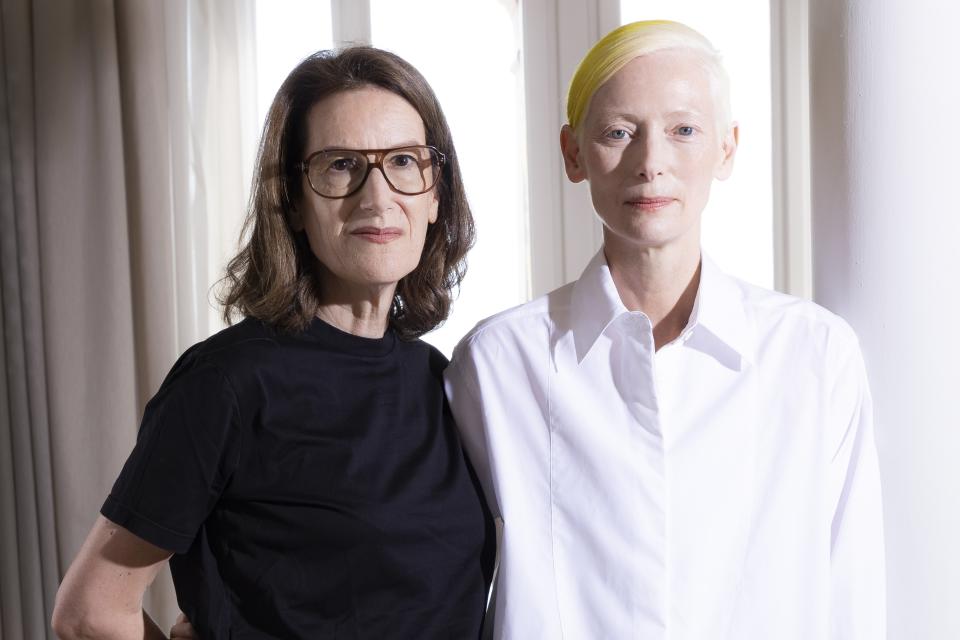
[(287, 32), (476, 72), (738, 222)]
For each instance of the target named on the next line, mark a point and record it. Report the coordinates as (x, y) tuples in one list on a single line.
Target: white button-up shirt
[(723, 487)]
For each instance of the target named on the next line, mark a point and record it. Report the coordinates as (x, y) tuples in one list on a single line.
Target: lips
[(653, 203), (377, 235)]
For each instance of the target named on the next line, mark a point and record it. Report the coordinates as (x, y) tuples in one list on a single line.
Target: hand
[(183, 629)]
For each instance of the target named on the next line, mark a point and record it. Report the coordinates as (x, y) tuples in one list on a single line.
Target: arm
[(858, 579), (101, 595), (186, 451), (461, 390)]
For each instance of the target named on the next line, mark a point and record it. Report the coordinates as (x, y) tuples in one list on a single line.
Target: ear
[(728, 148), (570, 148), (434, 208)]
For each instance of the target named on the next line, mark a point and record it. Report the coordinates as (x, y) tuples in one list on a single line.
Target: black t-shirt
[(311, 486)]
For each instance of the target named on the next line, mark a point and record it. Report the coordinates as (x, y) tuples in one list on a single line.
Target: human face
[(650, 148), (367, 242)]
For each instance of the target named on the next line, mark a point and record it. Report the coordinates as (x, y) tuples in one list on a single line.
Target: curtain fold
[(29, 555), (223, 151), (109, 215)]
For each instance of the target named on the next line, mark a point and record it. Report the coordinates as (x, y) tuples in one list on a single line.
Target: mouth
[(654, 203), (377, 235)]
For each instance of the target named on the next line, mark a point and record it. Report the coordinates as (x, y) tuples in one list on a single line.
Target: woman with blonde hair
[(675, 453)]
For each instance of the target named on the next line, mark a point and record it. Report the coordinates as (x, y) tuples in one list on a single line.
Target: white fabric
[(725, 486)]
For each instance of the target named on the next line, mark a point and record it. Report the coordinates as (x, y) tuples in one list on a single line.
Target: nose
[(376, 194), (648, 156)]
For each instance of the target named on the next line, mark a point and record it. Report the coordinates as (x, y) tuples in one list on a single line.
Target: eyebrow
[(396, 145), (687, 112), (614, 115)]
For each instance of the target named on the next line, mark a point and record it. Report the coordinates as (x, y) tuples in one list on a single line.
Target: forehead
[(364, 118), (673, 80)]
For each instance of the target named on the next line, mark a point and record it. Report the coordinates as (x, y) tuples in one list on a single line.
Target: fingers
[(183, 629)]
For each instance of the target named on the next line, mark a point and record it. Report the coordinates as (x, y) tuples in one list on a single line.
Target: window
[(500, 69), (287, 32), (476, 73), (738, 222)]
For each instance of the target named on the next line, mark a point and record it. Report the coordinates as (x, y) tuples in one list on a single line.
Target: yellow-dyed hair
[(636, 39)]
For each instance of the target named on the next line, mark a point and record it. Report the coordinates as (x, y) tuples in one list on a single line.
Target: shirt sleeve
[(858, 583), (460, 384), (185, 454)]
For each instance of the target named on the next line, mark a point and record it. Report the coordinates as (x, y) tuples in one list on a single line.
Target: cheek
[(322, 227), (604, 161), (700, 168), (316, 240), (421, 214)]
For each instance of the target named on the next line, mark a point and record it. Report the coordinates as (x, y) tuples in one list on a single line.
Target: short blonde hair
[(636, 39)]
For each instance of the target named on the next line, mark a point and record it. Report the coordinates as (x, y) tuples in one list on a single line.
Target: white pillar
[(885, 154)]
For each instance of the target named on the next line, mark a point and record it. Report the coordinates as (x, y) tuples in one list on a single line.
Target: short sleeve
[(185, 454)]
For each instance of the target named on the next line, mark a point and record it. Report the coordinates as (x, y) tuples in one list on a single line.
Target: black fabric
[(311, 486)]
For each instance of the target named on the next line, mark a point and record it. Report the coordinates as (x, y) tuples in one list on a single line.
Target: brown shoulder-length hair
[(273, 277)]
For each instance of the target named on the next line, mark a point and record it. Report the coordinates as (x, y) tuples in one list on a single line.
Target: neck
[(361, 310), (355, 319), (661, 282)]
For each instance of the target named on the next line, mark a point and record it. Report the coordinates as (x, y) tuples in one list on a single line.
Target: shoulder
[(779, 318), (527, 325), (224, 360), (422, 355), (246, 338)]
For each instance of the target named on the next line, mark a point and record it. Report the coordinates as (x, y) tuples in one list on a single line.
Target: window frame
[(790, 68), (556, 33), (567, 233), (351, 22)]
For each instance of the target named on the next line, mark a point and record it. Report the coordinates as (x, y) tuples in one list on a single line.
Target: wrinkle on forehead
[(364, 118), (681, 76)]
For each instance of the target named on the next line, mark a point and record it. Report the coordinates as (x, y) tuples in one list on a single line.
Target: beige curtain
[(124, 132)]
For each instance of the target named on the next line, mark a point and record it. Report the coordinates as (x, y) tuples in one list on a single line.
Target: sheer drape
[(122, 142)]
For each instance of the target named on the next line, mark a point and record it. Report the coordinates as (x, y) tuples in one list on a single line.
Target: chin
[(645, 235), (385, 275)]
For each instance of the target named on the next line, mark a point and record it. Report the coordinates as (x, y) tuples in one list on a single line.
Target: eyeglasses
[(340, 173)]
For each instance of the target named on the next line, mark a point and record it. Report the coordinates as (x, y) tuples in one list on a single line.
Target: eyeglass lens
[(409, 170)]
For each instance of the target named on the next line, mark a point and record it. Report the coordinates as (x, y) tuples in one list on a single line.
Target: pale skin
[(650, 147), (101, 595)]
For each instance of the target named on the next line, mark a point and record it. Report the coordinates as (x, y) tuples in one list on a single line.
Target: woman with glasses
[(300, 470)]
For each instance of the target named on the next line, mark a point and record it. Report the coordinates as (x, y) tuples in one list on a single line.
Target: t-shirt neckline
[(342, 340)]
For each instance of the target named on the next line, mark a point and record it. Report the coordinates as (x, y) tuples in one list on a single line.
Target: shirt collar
[(718, 325), (595, 303), (719, 312)]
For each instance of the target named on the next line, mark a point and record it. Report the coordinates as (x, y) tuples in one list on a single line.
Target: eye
[(342, 164), (685, 130), (403, 160), (618, 134)]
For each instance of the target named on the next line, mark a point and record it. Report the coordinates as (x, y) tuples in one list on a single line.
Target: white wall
[(886, 221)]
